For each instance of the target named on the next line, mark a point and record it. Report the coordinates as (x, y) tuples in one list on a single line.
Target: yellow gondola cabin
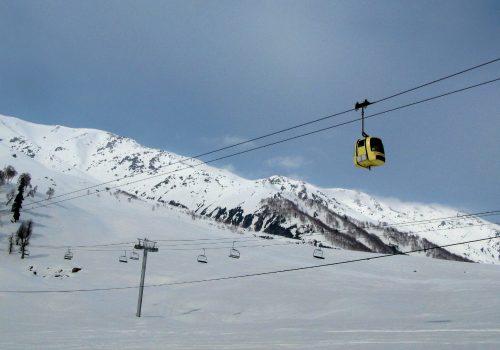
[(368, 152)]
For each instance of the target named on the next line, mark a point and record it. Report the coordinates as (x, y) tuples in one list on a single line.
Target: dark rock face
[(275, 228), (135, 161), (247, 220), (235, 216), (221, 213)]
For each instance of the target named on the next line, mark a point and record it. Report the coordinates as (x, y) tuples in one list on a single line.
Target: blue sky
[(190, 76)]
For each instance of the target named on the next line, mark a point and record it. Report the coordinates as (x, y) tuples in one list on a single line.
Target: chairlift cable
[(344, 262), (203, 241), (291, 242)]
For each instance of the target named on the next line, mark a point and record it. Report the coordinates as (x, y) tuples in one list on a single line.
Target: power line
[(453, 228), (450, 218), (344, 262), (269, 144), (320, 265), (286, 129)]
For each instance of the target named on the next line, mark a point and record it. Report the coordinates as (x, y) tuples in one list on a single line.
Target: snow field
[(396, 302)]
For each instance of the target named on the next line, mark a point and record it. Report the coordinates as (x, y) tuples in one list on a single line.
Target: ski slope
[(390, 303)]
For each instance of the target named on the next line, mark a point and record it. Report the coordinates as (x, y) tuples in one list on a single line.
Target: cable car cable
[(277, 142), (437, 80), (282, 130)]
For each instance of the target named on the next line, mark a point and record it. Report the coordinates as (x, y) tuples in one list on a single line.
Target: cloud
[(287, 162), (298, 177), (231, 140), (227, 140), (229, 167)]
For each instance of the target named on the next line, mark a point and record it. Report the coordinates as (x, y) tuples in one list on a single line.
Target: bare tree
[(23, 235), (50, 192), (10, 196), (10, 172), (11, 243), (32, 192), (2, 177)]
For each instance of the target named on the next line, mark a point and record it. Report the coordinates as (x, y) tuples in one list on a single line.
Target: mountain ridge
[(276, 205)]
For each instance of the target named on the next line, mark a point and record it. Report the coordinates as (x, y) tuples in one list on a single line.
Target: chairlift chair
[(234, 253), (123, 258), (202, 258), (68, 255), (318, 253), (134, 255)]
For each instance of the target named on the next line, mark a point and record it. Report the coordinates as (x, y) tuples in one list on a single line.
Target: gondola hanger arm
[(362, 105)]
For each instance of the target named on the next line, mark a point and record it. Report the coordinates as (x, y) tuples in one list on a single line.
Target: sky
[(192, 76)]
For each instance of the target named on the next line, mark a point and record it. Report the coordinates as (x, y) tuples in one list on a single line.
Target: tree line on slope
[(24, 232)]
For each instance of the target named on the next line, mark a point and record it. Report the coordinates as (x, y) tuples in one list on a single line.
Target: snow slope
[(276, 205), (397, 302), (400, 302)]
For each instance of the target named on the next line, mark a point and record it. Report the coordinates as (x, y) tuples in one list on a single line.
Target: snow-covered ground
[(396, 302)]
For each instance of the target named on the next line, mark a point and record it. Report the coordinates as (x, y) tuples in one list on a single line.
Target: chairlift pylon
[(234, 253), (202, 258)]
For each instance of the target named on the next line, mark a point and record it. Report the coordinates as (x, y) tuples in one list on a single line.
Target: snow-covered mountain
[(71, 159)]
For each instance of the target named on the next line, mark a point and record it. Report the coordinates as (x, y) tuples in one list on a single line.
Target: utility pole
[(146, 246)]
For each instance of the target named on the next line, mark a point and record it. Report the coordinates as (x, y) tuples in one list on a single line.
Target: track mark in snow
[(414, 331), (190, 311)]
